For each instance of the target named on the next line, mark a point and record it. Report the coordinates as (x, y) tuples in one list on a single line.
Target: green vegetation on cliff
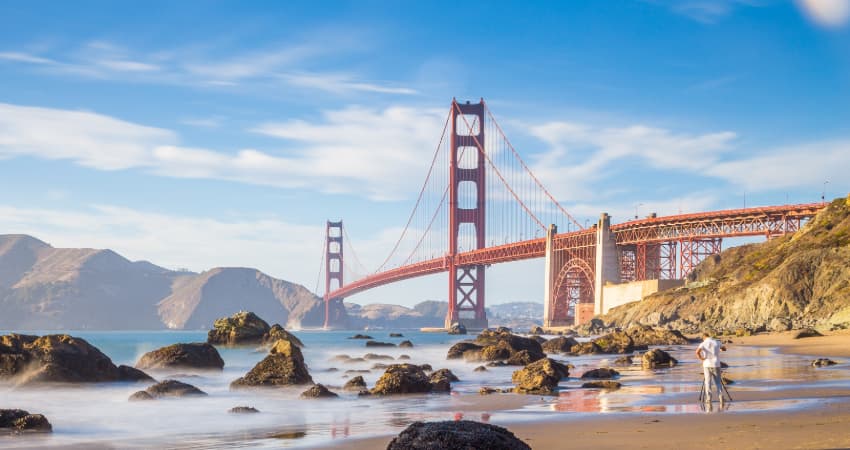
[(794, 281)]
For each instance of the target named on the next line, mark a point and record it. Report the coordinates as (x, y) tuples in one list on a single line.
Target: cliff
[(795, 281)]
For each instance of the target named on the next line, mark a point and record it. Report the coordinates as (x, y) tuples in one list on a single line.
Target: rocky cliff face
[(795, 281), (42, 287)]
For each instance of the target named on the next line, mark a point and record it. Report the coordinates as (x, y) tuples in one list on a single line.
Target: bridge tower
[(333, 265), (466, 283)]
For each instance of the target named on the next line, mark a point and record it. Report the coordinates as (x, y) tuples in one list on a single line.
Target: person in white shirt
[(709, 353)]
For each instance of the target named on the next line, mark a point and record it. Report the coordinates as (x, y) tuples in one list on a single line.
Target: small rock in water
[(198, 355), (361, 336), (373, 356), (606, 384), (600, 374), (461, 434), (141, 396), (823, 362), (358, 371), (487, 390), (405, 344), (379, 344), (243, 410), (457, 328), (540, 377), (480, 369), (173, 388), (656, 358), (318, 391), (380, 366), (19, 420), (396, 335), (403, 357), (402, 379), (623, 361), (355, 384)]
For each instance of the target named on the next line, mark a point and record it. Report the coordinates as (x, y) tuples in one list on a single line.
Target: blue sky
[(204, 134)]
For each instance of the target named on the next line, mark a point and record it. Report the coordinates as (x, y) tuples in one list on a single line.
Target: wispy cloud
[(704, 11), (280, 65)]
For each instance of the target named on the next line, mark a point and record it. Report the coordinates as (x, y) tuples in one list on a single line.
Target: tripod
[(722, 389)]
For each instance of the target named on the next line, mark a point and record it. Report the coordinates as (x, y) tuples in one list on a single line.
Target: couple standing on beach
[(709, 353)]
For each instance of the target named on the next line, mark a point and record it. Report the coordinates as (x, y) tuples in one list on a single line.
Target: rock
[(375, 356), (606, 384), (480, 369), (446, 373), (496, 364), (599, 374), (19, 420), (243, 410), (403, 357), (807, 333), (402, 379), (487, 390), (173, 388), (380, 366), (540, 339), (539, 377), (361, 336), (521, 358), (58, 358), (341, 358), (616, 342), (440, 381), (536, 330), (283, 366), (657, 358), (379, 344), (457, 351), (559, 344), (426, 367), (591, 327), (127, 373), (462, 434), (623, 361), (501, 344), (331, 369), (457, 328), (823, 362), (195, 356), (779, 324), (358, 371), (643, 335), (241, 328), (355, 384), (277, 332), (396, 335), (318, 391), (140, 396), (405, 344), (585, 348)]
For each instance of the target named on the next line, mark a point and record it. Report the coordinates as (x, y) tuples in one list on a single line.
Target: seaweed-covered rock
[(355, 384), (539, 377), (283, 366), (599, 374), (657, 358), (602, 384), (58, 358), (458, 350), (277, 332), (462, 434), (318, 391), (560, 344), (195, 355), (402, 379), (616, 342), (18, 420), (643, 335), (243, 410)]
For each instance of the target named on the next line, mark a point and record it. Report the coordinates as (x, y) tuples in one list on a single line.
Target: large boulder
[(461, 434), (585, 348), (457, 351), (283, 366), (58, 358), (560, 344), (540, 377), (246, 328), (502, 345), (643, 335), (616, 342), (318, 391), (441, 380), (168, 388), (198, 355), (402, 379), (657, 358), (18, 420), (599, 374), (355, 384)]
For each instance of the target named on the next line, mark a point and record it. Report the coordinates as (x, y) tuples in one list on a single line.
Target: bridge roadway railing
[(761, 221)]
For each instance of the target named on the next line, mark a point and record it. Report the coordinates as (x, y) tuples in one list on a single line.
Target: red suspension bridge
[(480, 205)]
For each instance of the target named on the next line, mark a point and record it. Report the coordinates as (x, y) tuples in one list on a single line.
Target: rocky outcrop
[(199, 355), (604, 384), (457, 351), (243, 410), (441, 380), (559, 344), (168, 388), (246, 328), (586, 348), (644, 335), (462, 434), (58, 358), (616, 342), (318, 391), (789, 282), (502, 345), (283, 366), (540, 377), (600, 374), (355, 384), (402, 379), (18, 420), (657, 358)]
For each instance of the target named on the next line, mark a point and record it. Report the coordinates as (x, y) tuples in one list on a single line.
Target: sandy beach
[(822, 421)]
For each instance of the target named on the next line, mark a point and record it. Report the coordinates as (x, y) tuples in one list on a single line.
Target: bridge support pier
[(607, 263), (333, 265)]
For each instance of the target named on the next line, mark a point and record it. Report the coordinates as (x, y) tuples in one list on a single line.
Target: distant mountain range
[(432, 313), (42, 287)]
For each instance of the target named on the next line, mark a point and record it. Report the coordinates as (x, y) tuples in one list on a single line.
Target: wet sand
[(832, 344)]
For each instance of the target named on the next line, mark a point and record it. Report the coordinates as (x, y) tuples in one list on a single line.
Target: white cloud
[(339, 83), (704, 11), (828, 13), (25, 58)]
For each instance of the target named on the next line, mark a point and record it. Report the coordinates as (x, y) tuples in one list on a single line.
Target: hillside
[(42, 287), (432, 313), (794, 281)]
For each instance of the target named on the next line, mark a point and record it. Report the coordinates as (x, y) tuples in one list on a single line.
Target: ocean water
[(92, 416)]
